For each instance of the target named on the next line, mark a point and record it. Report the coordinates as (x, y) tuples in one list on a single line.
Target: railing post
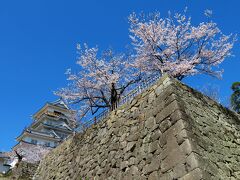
[(95, 120)]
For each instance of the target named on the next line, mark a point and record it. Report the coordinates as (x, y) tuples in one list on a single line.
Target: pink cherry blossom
[(175, 46), (101, 80), (30, 152)]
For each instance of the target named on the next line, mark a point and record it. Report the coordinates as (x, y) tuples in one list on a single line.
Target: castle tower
[(52, 124)]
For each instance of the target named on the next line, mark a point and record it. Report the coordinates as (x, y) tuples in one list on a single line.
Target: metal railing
[(94, 120), (143, 85)]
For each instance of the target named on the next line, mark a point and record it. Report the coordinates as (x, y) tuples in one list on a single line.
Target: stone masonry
[(23, 171), (168, 132)]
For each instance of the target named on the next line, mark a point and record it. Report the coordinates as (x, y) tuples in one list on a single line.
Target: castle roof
[(59, 103), (3, 155), (30, 131)]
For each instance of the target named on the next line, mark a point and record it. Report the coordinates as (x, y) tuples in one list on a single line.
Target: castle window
[(58, 113), (47, 144), (62, 135), (55, 144), (33, 141)]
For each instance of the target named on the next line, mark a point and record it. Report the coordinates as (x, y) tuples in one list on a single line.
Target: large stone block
[(173, 158), (196, 174)]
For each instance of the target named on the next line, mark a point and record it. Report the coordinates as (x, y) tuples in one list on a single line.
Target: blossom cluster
[(173, 45)]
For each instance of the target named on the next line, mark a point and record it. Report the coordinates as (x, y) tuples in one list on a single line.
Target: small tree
[(101, 81), (174, 46), (211, 91), (235, 97), (30, 153)]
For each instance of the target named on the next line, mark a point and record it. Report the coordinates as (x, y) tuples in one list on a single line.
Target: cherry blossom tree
[(29, 153), (175, 46), (101, 81)]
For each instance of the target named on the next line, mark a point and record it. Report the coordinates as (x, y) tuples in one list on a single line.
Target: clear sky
[(38, 43)]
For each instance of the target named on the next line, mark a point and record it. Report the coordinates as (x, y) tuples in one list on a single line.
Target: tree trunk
[(114, 97)]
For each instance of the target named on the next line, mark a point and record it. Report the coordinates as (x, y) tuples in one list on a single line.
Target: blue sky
[(38, 43)]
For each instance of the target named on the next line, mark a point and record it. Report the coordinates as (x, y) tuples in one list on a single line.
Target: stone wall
[(23, 171), (215, 133), (168, 132)]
